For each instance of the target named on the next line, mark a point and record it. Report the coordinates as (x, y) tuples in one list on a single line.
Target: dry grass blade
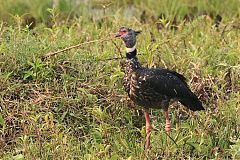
[(1, 29)]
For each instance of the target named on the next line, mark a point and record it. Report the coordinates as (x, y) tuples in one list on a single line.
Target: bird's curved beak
[(118, 34)]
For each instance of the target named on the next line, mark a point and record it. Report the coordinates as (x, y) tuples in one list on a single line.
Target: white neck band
[(131, 49)]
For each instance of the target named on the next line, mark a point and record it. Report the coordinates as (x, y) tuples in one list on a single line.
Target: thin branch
[(114, 58), (118, 48), (75, 46)]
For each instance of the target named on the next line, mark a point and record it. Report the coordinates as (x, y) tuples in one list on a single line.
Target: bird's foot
[(168, 127), (147, 143), (168, 130), (148, 130), (168, 123), (147, 147)]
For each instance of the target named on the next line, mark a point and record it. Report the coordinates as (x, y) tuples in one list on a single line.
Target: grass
[(72, 105)]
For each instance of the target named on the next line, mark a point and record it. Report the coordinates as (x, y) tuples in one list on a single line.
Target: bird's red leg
[(148, 131), (168, 123)]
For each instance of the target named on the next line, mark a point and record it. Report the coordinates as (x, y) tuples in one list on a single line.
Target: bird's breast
[(140, 91)]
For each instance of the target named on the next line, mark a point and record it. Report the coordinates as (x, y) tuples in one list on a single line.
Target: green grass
[(73, 106)]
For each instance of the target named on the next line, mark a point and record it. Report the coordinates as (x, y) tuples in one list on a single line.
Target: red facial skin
[(121, 33)]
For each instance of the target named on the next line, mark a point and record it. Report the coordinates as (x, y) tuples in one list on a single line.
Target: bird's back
[(156, 87)]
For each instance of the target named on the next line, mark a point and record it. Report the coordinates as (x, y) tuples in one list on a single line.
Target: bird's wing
[(166, 82)]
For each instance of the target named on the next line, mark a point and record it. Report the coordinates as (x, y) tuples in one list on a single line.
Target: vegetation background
[(72, 105)]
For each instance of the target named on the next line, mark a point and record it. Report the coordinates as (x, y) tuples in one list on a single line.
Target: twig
[(109, 59), (75, 46), (118, 48)]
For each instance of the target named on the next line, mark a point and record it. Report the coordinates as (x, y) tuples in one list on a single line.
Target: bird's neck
[(131, 56), (131, 52)]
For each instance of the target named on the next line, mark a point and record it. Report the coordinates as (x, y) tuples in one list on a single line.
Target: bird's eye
[(124, 31)]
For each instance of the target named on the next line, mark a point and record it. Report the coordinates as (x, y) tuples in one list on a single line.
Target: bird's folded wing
[(166, 82)]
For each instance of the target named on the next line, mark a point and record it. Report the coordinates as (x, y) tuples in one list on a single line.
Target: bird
[(153, 88)]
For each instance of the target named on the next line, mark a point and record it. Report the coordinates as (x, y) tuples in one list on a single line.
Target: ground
[(72, 105)]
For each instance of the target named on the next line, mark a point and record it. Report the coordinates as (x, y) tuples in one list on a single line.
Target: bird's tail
[(192, 103)]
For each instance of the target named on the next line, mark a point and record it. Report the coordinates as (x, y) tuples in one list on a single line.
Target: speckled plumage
[(153, 87), (156, 87)]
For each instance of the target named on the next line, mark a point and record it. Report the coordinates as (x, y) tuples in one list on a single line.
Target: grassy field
[(72, 105)]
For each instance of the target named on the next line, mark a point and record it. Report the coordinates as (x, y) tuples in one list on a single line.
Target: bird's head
[(128, 35)]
